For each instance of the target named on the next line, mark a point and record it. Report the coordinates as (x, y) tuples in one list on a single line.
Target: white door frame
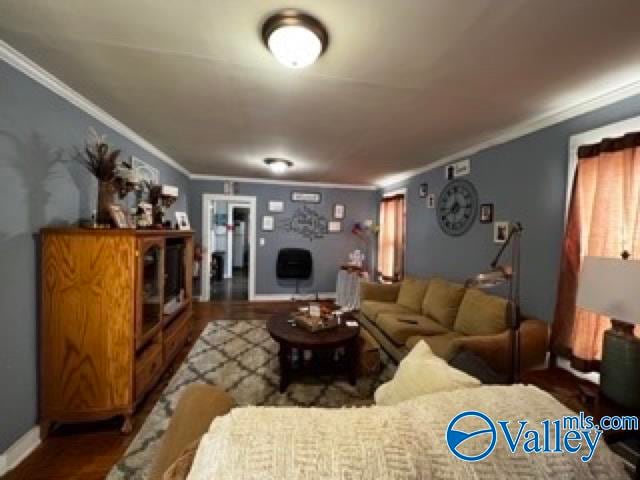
[(207, 202)]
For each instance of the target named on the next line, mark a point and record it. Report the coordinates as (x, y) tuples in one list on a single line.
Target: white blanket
[(406, 441)]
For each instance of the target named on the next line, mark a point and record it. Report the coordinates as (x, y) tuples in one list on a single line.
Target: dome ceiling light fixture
[(296, 39), (278, 165)]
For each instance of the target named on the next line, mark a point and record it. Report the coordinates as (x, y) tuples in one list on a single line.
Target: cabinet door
[(150, 288), (86, 351)]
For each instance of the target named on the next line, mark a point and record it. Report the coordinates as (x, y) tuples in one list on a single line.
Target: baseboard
[(285, 297), (20, 450)]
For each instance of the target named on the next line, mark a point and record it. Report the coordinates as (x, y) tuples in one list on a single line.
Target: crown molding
[(23, 64), (520, 130), (271, 181)]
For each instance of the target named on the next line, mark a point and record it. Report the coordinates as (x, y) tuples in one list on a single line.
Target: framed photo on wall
[(431, 200), (424, 190), (339, 211), (276, 206), (500, 232), (335, 227), (267, 223), (306, 197), (486, 213)]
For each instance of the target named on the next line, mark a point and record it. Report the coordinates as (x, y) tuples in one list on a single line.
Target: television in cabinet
[(106, 332)]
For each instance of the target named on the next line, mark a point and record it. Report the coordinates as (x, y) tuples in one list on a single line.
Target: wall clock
[(457, 207)]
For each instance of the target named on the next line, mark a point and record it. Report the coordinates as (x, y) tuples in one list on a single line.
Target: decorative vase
[(106, 192)]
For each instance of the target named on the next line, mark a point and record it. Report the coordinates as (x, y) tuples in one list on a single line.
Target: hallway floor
[(235, 288)]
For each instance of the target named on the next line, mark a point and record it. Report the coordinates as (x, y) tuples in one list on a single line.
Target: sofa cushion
[(372, 308), (421, 373), (444, 346), (400, 326), (481, 314), (411, 294), (442, 300)]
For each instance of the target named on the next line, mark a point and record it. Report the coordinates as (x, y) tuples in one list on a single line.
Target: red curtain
[(391, 241), (603, 221)]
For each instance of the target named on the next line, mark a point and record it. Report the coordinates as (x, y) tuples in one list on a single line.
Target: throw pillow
[(420, 373), (442, 301), (481, 314), (412, 292)]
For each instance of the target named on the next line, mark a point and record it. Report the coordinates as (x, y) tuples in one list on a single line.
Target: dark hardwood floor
[(88, 451)]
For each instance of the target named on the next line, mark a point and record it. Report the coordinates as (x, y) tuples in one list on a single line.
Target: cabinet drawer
[(148, 368), (176, 337)]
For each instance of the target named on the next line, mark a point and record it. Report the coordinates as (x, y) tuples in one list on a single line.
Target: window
[(391, 242), (603, 220)]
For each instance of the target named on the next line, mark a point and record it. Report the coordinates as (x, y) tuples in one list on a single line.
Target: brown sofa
[(450, 319), (196, 409)]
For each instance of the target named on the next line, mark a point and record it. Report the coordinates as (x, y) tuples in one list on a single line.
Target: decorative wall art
[(335, 227), (486, 213), (144, 172), (339, 211), (424, 190), (306, 197), (306, 222), (267, 223), (500, 232), (458, 169), (229, 187), (276, 206), (431, 200)]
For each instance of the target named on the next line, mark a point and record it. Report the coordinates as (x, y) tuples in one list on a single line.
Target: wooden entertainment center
[(116, 309)]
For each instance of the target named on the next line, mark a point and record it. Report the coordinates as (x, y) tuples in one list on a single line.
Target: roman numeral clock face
[(457, 207)]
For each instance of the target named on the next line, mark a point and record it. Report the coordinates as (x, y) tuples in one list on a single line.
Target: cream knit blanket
[(406, 441)]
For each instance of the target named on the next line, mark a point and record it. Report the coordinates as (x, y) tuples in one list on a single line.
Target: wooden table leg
[(283, 355)]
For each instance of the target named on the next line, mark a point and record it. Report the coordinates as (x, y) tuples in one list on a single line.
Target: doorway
[(228, 235)]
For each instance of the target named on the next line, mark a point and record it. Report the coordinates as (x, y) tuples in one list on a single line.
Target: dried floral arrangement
[(112, 174)]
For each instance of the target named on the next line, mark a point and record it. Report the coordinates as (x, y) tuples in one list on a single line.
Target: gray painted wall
[(526, 181), (40, 184), (328, 252)]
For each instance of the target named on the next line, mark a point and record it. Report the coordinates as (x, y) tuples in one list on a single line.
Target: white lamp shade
[(610, 287)]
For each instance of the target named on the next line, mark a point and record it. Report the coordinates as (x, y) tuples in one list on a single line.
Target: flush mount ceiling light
[(295, 39), (278, 165)]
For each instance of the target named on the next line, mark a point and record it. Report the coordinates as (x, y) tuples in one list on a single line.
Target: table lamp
[(610, 287)]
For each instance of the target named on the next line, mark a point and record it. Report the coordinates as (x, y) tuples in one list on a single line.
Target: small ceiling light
[(278, 165), (295, 39)]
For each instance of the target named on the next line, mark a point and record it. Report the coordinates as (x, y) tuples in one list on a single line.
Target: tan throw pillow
[(420, 373), (442, 301), (481, 314), (411, 294)]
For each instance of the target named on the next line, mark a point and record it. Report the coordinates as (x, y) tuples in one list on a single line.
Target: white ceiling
[(402, 84)]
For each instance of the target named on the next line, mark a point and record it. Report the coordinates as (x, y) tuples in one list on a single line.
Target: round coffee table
[(322, 345)]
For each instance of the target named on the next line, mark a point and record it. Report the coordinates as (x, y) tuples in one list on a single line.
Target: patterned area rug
[(241, 357)]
